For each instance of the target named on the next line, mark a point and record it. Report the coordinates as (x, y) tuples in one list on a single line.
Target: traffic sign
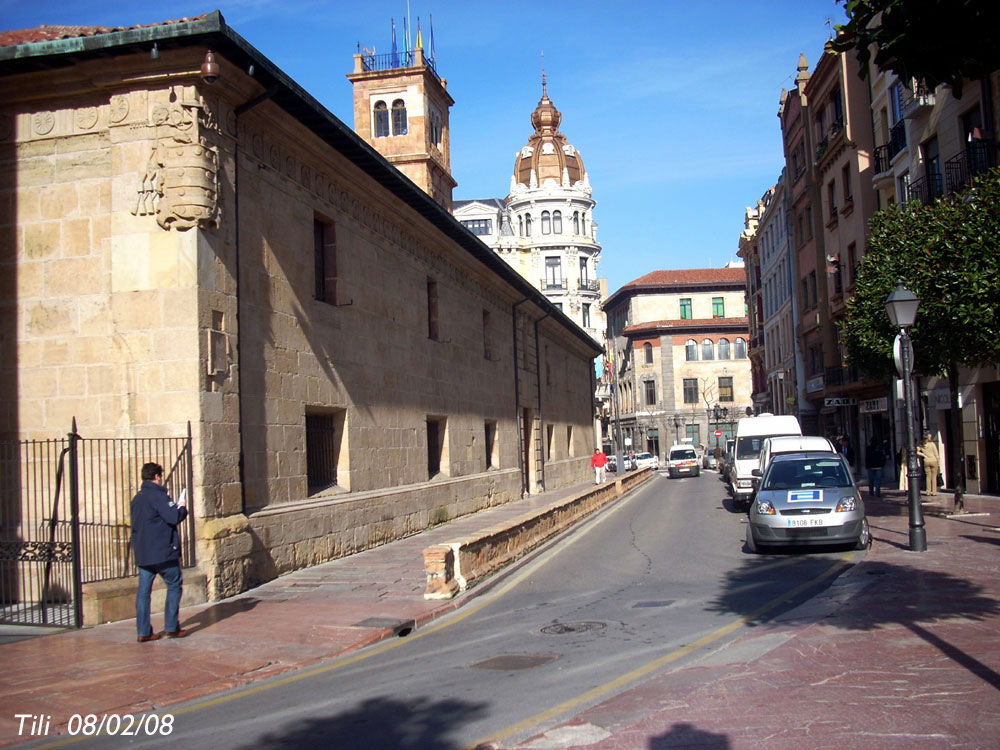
[(718, 433)]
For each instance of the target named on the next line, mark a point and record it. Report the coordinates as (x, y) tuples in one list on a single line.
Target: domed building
[(545, 227)]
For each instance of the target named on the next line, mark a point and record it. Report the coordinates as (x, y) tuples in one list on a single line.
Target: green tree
[(948, 254), (934, 41)]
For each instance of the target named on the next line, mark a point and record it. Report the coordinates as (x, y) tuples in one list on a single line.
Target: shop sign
[(840, 401), (814, 384), (874, 405)]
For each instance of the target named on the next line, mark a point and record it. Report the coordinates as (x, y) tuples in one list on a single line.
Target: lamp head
[(210, 68), (901, 306)]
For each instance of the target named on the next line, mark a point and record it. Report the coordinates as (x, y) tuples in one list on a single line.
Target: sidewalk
[(905, 646), (314, 615)]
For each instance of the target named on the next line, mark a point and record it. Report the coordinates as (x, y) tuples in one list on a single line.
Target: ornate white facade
[(545, 227)]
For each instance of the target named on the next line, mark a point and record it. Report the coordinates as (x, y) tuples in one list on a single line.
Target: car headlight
[(847, 504), (765, 508)]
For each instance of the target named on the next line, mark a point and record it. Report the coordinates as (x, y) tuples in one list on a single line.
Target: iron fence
[(65, 518)]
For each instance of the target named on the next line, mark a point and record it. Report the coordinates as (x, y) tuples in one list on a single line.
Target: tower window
[(381, 120), (576, 222), (399, 117), (557, 222), (546, 223)]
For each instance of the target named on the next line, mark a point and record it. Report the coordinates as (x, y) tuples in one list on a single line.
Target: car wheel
[(697, 472), (865, 538)]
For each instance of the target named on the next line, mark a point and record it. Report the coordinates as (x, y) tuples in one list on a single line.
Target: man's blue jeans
[(171, 574), (875, 481)]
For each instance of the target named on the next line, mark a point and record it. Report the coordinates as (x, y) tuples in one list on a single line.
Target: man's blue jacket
[(154, 525)]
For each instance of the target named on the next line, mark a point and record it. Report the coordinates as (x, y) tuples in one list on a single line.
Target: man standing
[(157, 549), (598, 462), (874, 461)]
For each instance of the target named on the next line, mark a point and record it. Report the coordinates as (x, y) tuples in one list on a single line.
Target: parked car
[(613, 463), (644, 460), (683, 461), (750, 435), (708, 460), (807, 498), (726, 460)]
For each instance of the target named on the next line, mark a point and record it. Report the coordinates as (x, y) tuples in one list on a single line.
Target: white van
[(792, 444), (750, 436)]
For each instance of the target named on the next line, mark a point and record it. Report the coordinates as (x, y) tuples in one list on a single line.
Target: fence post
[(74, 511)]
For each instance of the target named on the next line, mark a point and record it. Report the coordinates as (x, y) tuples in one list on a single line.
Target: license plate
[(793, 522)]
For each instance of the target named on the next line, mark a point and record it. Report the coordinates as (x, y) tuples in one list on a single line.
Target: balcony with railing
[(409, 59), (978, 157), (589, 285), (842, 375), (926, 190), (917, 101), (882, 159), (897, 138), (553, 285)]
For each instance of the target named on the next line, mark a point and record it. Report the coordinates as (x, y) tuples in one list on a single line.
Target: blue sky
[(672, 104)]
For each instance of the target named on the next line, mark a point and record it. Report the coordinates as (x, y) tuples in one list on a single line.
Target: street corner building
[(195, 249)]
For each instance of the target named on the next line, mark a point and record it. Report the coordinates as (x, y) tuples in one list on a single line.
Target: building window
[(740, 349), (435, 129), (324, 261), (550, 441), (399, 117), (527, 226), (557, 222), (691, 350), (686, 311), (718, 307), (723, 348), (693, 434), (437, 446), (831, 198), (576, 223), (432, 309), (553, 273), (649, 388), (707, 349), (520, 226), (323, 433), (845, 179), (726, 389), (585, 308), (690, 390), (647, 350), (546, 223), (381, 120), (492, 446), (584, 273), (479, 227)]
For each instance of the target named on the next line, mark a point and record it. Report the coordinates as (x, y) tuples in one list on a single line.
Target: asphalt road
[(658, 581)]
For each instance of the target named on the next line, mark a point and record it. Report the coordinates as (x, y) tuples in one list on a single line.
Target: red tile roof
[(690, 276), (54, 33)]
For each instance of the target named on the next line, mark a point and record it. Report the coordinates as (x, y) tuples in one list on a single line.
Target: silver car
[(807, 498)]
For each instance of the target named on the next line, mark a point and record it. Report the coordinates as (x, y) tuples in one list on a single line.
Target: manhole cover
[(511, 662), (562, 628)]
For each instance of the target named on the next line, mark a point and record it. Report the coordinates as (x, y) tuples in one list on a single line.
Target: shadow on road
[(688, 735)]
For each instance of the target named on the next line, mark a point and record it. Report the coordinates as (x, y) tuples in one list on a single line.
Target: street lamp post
[(901, 306)]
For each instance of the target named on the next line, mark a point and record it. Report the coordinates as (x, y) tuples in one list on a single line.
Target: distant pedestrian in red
[(598, 462)]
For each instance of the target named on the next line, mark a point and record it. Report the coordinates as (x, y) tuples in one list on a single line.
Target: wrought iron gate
[(65, 521)]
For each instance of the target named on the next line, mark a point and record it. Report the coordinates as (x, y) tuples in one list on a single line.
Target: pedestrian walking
[(929, 452), (874, 462), (598, 462), (846, 451), (157, 549)]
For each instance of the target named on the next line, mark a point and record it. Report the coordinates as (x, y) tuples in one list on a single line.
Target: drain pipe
[(242, 109), (517, 404), (538, 367)]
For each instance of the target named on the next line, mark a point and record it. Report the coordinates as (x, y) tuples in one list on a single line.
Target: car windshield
[(806, 473), (682, 453), (749, 446), (641, 456)]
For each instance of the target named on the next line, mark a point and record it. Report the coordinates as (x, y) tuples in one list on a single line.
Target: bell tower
[(401, 109)]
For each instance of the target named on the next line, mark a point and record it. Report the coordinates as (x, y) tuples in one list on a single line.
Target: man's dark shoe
[(150, 637), (176, 633)]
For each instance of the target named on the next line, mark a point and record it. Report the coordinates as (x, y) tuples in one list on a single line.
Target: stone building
[(190, 237), (678, 344), (545, 227)]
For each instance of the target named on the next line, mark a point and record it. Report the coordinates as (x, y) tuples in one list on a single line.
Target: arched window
[(723, 348), (520, 225), (399, 117), (647, 349), (576, 222), (381, 120), (740, 349), (557, 222), (583, 224), (527, 226), (546, 223), (707, 349), (691, 350)]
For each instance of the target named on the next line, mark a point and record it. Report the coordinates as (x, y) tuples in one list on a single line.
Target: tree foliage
[(948, 254), (934, 41)]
